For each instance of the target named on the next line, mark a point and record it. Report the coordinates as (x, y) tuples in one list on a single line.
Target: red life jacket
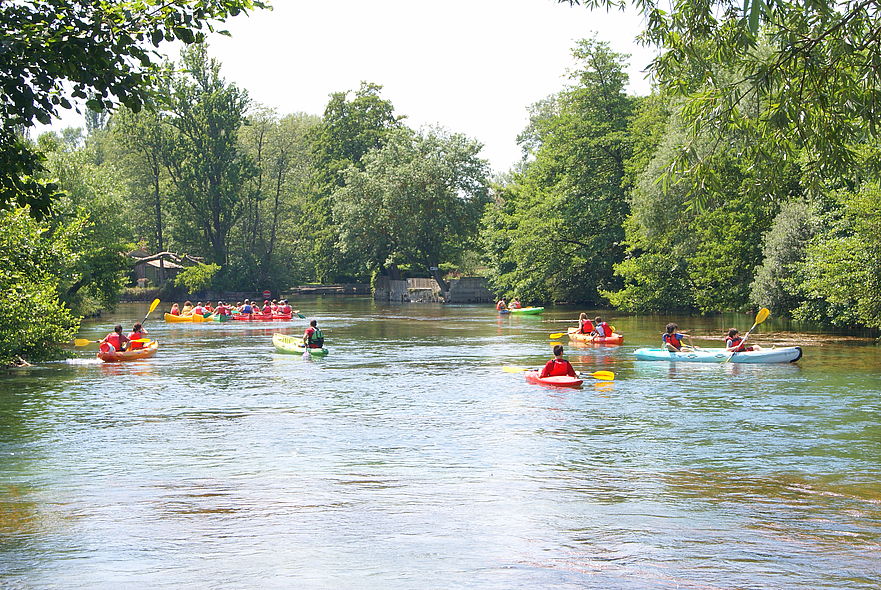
[(114, 341), (673, 339), (586, 327), (603, 329), (175, 311), (135, 336), (555, 368), (198, 310), (285, 310), (736, 341), (267, 309), (499, 306)]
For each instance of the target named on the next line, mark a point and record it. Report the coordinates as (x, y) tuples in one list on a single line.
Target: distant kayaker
[(187, 309), (199, 309), (734, 342), (672, 340), (138, 333), (115, 339), (501, 305), (247, 307), (175, 310), (284, 308), (557, 365), (221, 309), (515, 304), (601, 328), (312, 337), (208, 308), (267, 308), (585, 326)]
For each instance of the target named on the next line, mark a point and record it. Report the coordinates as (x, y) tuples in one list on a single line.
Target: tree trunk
[(439, 277)]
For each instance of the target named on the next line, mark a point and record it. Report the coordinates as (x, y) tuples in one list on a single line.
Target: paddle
[(606, 375), (299, 315), (558, 335), (306, 353), (153, 306), (760, 317), (83, 341)]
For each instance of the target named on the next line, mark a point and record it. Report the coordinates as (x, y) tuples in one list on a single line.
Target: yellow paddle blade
[(762, 315), (606, 375), (514, 369), (557, 335), (153, 305), (556, 343), (81, 342)]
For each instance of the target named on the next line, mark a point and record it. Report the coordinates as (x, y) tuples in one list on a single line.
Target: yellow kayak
[(129, 355), (175, 319)]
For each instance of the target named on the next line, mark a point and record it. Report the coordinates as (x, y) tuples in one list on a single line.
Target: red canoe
[(259, 317), (557, 381)]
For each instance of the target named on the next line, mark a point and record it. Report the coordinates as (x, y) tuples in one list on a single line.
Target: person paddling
[(312, 337), (501, 305), (734, 342), (672, 340), (138, 333), (115, 340), (600, 328), (557, 365), (175, 310)]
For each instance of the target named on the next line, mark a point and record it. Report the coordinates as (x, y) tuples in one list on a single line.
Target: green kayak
[(219, 318), (528, 310), (293, 345)]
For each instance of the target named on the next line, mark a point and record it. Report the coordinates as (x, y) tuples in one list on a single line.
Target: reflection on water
[(408, 458)]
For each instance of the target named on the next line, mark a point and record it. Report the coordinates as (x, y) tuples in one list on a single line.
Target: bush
[(197, 278)]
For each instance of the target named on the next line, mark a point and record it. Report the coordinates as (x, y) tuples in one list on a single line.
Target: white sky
[(471, 66)]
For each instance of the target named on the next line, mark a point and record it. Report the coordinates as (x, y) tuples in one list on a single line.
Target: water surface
[(408, 459)]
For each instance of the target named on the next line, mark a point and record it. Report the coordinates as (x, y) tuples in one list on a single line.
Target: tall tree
[(205, 163), (350, 127)]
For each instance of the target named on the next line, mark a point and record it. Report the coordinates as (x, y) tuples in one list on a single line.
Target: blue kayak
[(788, 354)]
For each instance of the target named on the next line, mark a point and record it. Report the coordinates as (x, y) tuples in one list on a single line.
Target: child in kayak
[(585, 326), (138, 332), (734, 342), (515, 304), (557, 365), (601, 328), (175, 310), (672, 340), (115, 340), (188, 308), (312, 337), (501, 305)]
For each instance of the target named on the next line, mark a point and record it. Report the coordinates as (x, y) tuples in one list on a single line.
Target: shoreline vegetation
[(726, 189)]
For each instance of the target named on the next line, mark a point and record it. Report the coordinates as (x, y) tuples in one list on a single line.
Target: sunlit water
[(408, 459)]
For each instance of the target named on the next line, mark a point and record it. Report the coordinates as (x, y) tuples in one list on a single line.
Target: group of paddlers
[(279, 307)]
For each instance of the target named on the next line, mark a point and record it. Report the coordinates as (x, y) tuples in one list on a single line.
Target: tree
[(99, 51), (204, 161), (350, 127), (802, 76), (417, 201), (563, 213)]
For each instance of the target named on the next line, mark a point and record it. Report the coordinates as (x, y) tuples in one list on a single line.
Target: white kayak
[(788, 354)]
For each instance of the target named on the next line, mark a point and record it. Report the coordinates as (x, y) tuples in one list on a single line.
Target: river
[(408, 459)]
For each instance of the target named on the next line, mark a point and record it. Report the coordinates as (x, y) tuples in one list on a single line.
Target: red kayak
[(259, 317), (557, 381)]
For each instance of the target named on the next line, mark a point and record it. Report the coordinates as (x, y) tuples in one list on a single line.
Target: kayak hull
[(129, 355), (259, 317), (527, 310), (181, 319), (615, 338), (788, 354), (292, 345), (220, 318), (557, 381)]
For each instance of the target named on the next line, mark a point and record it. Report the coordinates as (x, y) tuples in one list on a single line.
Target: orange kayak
[(615, 338), (112, 356)]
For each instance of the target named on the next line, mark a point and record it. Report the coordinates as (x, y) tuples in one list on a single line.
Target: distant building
[(158, 269)]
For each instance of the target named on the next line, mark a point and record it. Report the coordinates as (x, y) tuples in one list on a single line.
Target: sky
[(470, 66)]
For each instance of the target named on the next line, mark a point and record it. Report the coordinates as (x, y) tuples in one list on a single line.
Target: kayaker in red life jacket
[(585, 326), (501, 305), (515, 304), (138, 332), (557, 365), (115, 339), (734, 342), (284, 308), (672, 340), (267, 309), (221, 309), (199, 310), (208, 308), (601, 328), (312, 337), (175, 310)]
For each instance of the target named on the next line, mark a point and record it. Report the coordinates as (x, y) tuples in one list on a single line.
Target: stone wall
[(464, 290), (469, 290)]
